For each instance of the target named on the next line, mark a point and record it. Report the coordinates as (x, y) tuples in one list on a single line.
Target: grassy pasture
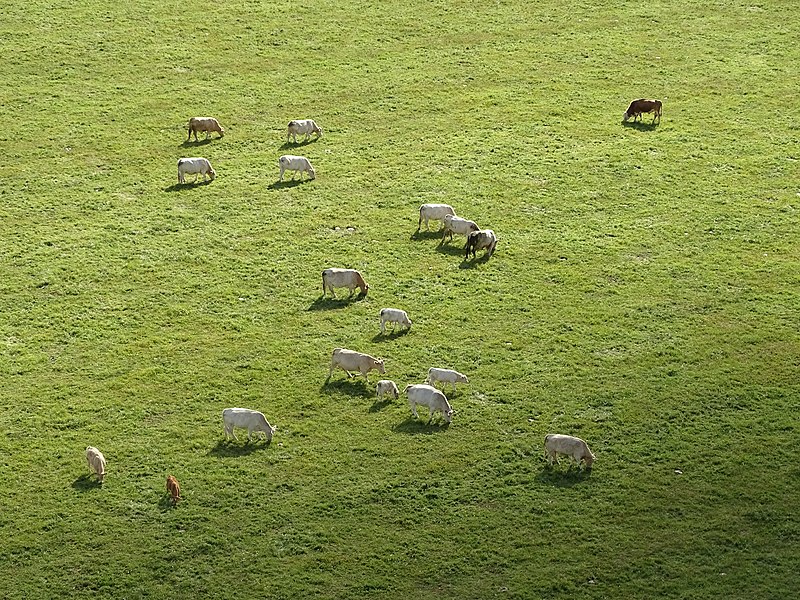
[(644, 296)]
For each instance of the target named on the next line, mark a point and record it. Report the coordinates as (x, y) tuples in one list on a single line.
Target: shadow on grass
[(394, 334), (473, 262), (558, 477), (448, 248), (426, 235), (414, 426), (300, 144), (189, 143), (180, 187), (165, 503), (327, 303), (641, 126), (355, 386), (229, 448), (84, 483), (379, 405), (289, 183)]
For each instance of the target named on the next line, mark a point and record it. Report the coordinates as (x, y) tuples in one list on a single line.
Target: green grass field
[(643, 296)]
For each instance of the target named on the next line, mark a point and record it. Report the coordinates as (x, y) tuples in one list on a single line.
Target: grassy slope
[(643, 296)]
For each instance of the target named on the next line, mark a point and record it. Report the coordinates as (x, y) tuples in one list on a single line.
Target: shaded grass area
[(643, 296)]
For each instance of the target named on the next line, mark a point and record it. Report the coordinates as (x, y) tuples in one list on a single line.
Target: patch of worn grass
[(643, 296)]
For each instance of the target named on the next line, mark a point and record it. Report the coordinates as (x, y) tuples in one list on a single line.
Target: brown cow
[(174, 489), (640, 106)]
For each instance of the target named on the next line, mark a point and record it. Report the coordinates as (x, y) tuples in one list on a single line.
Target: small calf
[(207, 124), (196, 166), (174, 489), (386, 386), (637, 107), (575, 448), (302, 126), (296, 164), (445, 376), (483, 239), (395, 316), (97, 462)]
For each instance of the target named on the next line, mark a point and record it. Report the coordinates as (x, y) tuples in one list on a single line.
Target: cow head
[(311, 173), (448, 415), (213, 174), (379, 366), (625, 117)]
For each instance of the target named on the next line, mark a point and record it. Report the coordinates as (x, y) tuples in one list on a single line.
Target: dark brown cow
[(640, 106), (483, 239)]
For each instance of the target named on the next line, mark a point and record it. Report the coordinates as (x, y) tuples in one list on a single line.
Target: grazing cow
[(386, 386), (445, 376), (394, 315), (196, 165), (174, 489), (454, 224), (303, 126), (433, 212), (97, 462), (640, 106), (339, 278), (288, 162), (429, 396), (575, 448), (483, 239), (350, 361), (252, 420), (207, 124)]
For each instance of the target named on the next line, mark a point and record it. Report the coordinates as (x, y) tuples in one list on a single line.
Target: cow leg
[(383, 326)]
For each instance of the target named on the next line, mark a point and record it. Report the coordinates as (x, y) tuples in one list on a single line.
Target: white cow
[(433, 212), (575, 448), (483, 239), (394, 315), (429, 396), (454, 224), (339, 278), (97, 462), (252, 420), (350, 361), (386, 386), (207, 124), (196, 166), (288, 162), (445, 376), (302, 126)]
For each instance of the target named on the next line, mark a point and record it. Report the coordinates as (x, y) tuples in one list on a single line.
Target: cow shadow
[(86, 482), (181, 187), (232, 448), (300, 144), (450, 250), (412, 426), (640, 126), (289, 183), (379, 405), (426, 235), (190, 144), (555, 476), (326, 303), (471, 263), (391, 335), (165, 503), (353, 386)]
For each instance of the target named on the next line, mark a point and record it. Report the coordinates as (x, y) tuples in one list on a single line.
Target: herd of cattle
[(350, 361)]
